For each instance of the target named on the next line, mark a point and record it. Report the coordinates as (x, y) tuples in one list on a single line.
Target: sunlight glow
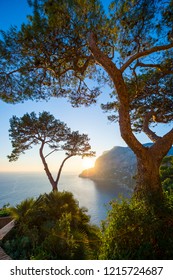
[(88, 163)]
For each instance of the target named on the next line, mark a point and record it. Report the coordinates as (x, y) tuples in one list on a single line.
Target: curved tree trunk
[(48, 173), (60, 169), (54, 183), (148, 183), (148, 166), (148, 159)]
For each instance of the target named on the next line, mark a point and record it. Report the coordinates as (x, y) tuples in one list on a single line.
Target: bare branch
[(116, 76), (161, 147), (149, 65), (51, 153), (100, 57), (83, 68), (60, 168), (145, 53), (46, 168), (158, 66), (152, 135)]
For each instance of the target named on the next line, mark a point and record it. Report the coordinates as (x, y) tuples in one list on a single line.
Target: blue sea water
[(15, 187)]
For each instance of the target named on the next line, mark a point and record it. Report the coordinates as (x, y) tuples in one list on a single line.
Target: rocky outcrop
[(117, 164)]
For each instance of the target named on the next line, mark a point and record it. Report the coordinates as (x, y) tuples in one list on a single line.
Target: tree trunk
[(149, 159), (148, 183), (60, 169), (48, 173), (148, 166)]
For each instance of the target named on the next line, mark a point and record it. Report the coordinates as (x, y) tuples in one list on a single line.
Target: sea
[(95, 196)]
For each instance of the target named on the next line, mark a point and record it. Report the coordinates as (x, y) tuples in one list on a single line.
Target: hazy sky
[(92, 120)]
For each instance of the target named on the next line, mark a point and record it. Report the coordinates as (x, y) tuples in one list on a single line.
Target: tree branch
[(116, 75), (51, 153), (100, 57), (60, 168), (145, 53), (152, 135), (158, 66), (83, 68), (163, 145), (149, 65), (46, 168)]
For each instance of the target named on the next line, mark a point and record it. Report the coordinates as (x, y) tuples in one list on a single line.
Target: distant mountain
[(117, 164)]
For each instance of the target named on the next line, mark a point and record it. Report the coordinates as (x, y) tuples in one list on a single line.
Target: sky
[(92, 121)]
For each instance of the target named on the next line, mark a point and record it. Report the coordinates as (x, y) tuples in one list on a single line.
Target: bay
[(95, 196)]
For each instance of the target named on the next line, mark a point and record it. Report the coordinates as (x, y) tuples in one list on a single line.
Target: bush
[(5, 210), (136, 230), (52, 227), (166, 173)]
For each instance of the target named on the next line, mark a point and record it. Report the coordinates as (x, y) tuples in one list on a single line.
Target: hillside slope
[(117, 164)]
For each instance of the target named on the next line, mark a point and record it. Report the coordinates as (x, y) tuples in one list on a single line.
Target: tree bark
[(152, 135), (148, 183), (116, 76), (48, 173), (60, 169), (148, 166), (148, 158), (54, 183)]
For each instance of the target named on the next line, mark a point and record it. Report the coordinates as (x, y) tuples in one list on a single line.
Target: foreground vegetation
[(54, 227), (138, 230), (5, 210)]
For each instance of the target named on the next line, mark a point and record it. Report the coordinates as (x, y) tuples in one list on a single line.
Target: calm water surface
[(14, 187)]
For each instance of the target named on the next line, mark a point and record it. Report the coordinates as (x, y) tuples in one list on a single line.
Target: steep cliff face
[(117, 164)]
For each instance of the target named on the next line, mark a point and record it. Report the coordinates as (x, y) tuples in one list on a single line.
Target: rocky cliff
[(117, 164)]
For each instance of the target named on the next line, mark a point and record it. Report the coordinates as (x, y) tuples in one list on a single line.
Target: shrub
[(52, 227), (5, 210), (136, 230), (166, 173)]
